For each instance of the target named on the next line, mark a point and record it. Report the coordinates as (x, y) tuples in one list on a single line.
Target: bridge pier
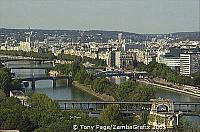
[(33, 84), (69, 82), (53, 63), (54, 83), (177, 119)]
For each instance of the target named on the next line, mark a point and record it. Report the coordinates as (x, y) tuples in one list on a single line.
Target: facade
[(127, 47), (189, 63), (20, 95), (172, 62), (140, 55), (111, 59), (120, 37), (51, 41), (25, 46), (124, 59), (117, 59), (149, 58)]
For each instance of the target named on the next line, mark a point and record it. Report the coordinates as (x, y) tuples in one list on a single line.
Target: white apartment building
[(189, 63)]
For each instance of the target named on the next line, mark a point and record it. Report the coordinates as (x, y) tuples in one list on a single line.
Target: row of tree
[(136, 91), (51, 56), (68, 57), (162, 71), (48, 55)]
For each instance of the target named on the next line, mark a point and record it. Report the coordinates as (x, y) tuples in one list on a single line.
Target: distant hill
[(91, 35)]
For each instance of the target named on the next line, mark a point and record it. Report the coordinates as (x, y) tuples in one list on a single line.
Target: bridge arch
[(161, 105), (162, 108)]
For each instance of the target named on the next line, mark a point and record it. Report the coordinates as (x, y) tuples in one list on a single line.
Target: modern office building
[(189, 63)]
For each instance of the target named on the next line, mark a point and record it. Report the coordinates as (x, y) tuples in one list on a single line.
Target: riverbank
[(88, 89), (170, 88)]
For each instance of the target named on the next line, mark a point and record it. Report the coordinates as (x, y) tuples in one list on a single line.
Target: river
[(167, 94), (45, 86), (70, 93)]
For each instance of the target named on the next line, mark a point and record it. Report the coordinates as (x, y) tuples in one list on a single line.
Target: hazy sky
[(140, 16)]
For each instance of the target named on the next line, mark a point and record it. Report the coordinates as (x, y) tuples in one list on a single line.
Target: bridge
[(6, 59), (34, 67), (101, 68), (35, 78), (28, 66), (113, 73), (188, 108), (135, 75), (167, 109)]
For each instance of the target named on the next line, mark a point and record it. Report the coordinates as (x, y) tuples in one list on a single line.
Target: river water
[(45, 86), (71, 93)]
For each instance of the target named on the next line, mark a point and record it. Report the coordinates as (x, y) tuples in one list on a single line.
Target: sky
[(139, 16)]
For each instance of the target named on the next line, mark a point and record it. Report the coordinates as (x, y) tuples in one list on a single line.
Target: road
[(169, 88)]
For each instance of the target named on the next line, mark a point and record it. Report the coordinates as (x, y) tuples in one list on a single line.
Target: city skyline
[(132, 16)]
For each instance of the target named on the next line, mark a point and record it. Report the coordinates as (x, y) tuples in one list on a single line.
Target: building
[(189, 63), (120, 37), (51, 41), (172, 62), (126, 47), (149, 58), (27, 45), (124, 59), (20, 95), (111, 59)]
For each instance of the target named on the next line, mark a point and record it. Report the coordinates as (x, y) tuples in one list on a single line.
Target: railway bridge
[(165, 109)]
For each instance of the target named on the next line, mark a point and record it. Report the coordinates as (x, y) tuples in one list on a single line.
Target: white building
[(172, 62), (189, 63)]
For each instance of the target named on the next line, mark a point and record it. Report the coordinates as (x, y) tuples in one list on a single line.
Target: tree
[(2, 95), (15, 85), (54, 127), (183, 124), (5, 80), (196, 79), (110, 115), (137, 120), (12, 116), (124, 89), (81, 75)]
